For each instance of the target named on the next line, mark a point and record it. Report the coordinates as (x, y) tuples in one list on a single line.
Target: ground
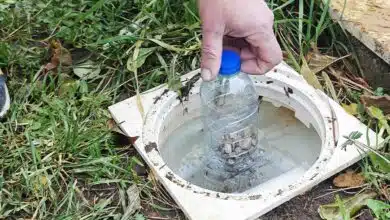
[(304, 207), (67, 61)]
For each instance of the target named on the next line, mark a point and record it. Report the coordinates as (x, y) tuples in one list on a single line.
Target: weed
[(381, 210)]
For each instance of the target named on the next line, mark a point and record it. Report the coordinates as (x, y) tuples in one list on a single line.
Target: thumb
[(211, 54)]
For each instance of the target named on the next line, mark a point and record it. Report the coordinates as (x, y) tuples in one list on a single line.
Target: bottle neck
[(227, 76)]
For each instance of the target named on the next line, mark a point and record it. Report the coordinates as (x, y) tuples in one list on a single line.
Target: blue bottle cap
[(230, 63)]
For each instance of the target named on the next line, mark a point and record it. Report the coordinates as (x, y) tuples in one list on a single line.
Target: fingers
[(254, 36), (212, 38), (247, 54), (249, 61), (235, 42), (211, 54), (250, 67), (267, 53)]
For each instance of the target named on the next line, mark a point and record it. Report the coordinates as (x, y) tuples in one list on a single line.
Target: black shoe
[(4, 96)]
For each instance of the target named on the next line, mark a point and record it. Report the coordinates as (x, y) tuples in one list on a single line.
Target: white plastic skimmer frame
[(282, 86)]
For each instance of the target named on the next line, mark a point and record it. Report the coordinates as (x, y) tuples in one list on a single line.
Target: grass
[(59, 159)]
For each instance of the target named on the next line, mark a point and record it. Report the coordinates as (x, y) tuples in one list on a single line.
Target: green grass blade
[(300, 27)]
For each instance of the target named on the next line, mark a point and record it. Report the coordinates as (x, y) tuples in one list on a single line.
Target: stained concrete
[(375, 70), (368, 21)]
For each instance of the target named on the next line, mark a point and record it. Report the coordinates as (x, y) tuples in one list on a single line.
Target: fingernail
[(206, 74)]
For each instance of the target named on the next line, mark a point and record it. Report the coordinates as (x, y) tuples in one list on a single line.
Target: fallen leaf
[(349, 179), (318, 62), (352, 108), (310, 76), (381, 102), (134, 201), (60, 57), (351, 206), (87, 70)]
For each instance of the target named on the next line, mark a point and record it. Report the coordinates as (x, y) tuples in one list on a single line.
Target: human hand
[(246, 26)]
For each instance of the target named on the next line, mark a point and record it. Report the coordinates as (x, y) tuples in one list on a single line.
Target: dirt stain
[(151, 146), (184, 91), (157, 98), (254, 197), (288, 91)]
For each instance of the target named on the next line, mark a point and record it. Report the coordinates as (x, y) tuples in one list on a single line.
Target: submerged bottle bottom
[(234, 153), (226, 175)]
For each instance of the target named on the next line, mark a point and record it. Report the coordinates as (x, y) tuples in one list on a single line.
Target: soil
[(303, 207)]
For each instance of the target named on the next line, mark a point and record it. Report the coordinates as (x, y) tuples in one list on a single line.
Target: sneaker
[(4, 96)]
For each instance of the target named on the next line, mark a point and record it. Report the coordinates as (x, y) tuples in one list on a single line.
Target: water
[(286, 144)]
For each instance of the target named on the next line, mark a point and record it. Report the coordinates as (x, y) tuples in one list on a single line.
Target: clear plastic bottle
[(230, 116)]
